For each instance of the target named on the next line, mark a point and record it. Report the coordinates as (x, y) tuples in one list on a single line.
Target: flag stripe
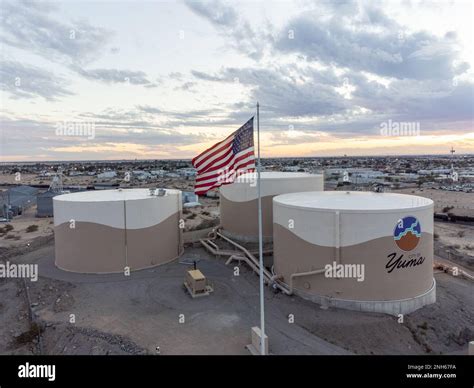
[(248, 162), (222, 175), (205, 189), (212, 171), (247, 167), (227, 153), (199, 158), (221, 163), (214, 151)]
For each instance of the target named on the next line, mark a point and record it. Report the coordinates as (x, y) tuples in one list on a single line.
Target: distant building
[(437, 171), (187, 172), (212, 194), (75, 173), (44, 204), (190, 199), (44, 201), (141, 175), (107, 175), (16, 199), (357, 175), (293, 169), (159, 173)]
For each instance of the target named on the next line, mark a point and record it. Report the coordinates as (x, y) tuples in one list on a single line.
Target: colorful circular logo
[(407, 233)]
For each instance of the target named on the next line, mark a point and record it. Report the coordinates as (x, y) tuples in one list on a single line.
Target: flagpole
[(260, 241)]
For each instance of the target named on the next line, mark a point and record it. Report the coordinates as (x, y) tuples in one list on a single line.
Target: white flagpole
[(260, 240)]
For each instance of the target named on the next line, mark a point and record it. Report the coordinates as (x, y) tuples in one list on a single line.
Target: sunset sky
[(166, 80)]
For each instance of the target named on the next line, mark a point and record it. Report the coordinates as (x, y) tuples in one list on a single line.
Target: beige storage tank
[(106, 231), (238, 201), (357, 250)]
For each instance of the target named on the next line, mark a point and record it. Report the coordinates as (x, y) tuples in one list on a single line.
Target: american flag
[(220, 164)]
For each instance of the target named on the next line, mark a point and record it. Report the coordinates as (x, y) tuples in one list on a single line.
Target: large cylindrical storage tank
[(356, 250), (238, 201), (106, 231)]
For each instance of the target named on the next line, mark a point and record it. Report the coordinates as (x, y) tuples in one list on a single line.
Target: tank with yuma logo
[(357, 250)]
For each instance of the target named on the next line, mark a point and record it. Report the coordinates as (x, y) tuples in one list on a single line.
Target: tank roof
[(109, 195), (352, 201), (275, 175)]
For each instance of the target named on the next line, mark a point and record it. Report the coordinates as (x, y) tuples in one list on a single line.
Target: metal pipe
[(215, 250), (210, 240), (243, 258), (255, 263), (247, 252), (249, 258), (251, 261), (301, 274), (212, 244)]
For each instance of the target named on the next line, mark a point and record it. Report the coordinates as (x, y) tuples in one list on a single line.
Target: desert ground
[(35, 179), (458, 203), (457, 238), (110, 314), (26, 228), (113, 314)]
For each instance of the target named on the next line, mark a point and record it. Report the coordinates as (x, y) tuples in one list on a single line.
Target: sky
[(89, 80)]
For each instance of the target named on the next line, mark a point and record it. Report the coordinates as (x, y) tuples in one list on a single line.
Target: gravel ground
[(134, 316)]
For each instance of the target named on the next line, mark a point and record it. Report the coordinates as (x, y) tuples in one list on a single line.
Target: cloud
[(355, 44), (143, 118), (287, 90), (34, 27), (112, 76), (308, 99), (203, 76), (283, 94), (215, 11), (389, 74), (405, 99), (341, 7), (350, 67), (174, 118), (42, 137), (230, 25), (31, 26), (187, 86), (30, 82)]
